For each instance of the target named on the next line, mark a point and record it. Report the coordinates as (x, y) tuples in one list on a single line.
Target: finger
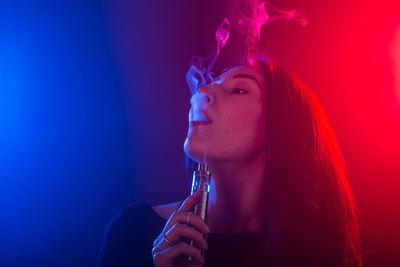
[(182, 217), (177, 232), (158, 247), (194, 220), (182, 230), (158, 239), (187, 205), (182, 249), (189, 202), (162, 244)]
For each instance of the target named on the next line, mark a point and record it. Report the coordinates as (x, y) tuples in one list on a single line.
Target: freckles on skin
[(241, 131)]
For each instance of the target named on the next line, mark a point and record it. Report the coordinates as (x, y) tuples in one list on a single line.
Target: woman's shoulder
[(137, 221), (142, 212), (130, 234)]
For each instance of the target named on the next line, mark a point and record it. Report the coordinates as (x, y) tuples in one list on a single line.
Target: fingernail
[(208, 229), (203, 261)]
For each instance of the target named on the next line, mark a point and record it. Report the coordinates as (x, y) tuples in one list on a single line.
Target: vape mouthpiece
[(203, 167)]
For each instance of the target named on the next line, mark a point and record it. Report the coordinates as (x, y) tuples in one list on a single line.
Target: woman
[(279, 197)]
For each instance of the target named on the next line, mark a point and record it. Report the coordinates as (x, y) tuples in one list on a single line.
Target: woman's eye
[(239, 91)]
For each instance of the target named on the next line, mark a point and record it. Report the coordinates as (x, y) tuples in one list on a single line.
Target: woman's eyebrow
[(249, 77)]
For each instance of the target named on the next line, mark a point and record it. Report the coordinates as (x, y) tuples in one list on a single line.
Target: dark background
[(93, 112)]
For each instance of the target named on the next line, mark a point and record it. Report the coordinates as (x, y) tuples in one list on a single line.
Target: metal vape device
[(201, 182)]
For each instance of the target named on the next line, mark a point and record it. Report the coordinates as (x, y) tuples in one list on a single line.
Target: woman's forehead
[(243, 69)]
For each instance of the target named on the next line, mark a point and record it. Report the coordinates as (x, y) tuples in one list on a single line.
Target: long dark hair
[(308, 203)]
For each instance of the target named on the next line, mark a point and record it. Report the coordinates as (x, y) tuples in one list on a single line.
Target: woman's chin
[(194, 151)]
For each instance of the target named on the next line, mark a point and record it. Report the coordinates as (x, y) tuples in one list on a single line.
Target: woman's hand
[(168, 248)]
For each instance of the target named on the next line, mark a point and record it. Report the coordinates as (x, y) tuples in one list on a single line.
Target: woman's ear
[(195, 79)]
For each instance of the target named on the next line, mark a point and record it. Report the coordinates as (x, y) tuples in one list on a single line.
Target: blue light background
[(67, 158)]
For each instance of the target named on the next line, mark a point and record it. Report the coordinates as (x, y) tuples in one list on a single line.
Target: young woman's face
[(227, 117)]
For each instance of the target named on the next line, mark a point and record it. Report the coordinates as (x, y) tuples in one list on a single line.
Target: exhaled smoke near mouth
[(200, 73)]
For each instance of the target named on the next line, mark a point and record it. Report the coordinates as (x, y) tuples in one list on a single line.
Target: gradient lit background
[(93, 112)]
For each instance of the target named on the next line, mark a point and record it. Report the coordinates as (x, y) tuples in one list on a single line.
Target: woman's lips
[(195, 123)]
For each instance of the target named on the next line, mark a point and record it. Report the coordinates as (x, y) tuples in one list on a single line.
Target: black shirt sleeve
[(129, 237)]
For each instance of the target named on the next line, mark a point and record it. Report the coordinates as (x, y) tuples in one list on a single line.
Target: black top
[(129, 237)]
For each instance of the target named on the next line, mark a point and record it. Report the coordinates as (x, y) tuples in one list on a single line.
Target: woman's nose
[(199, 101), (204, 94)]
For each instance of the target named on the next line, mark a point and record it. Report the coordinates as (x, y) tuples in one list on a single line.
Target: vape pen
[(201, 182)]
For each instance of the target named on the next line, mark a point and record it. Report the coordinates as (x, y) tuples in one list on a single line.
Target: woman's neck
[(235, 197)]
